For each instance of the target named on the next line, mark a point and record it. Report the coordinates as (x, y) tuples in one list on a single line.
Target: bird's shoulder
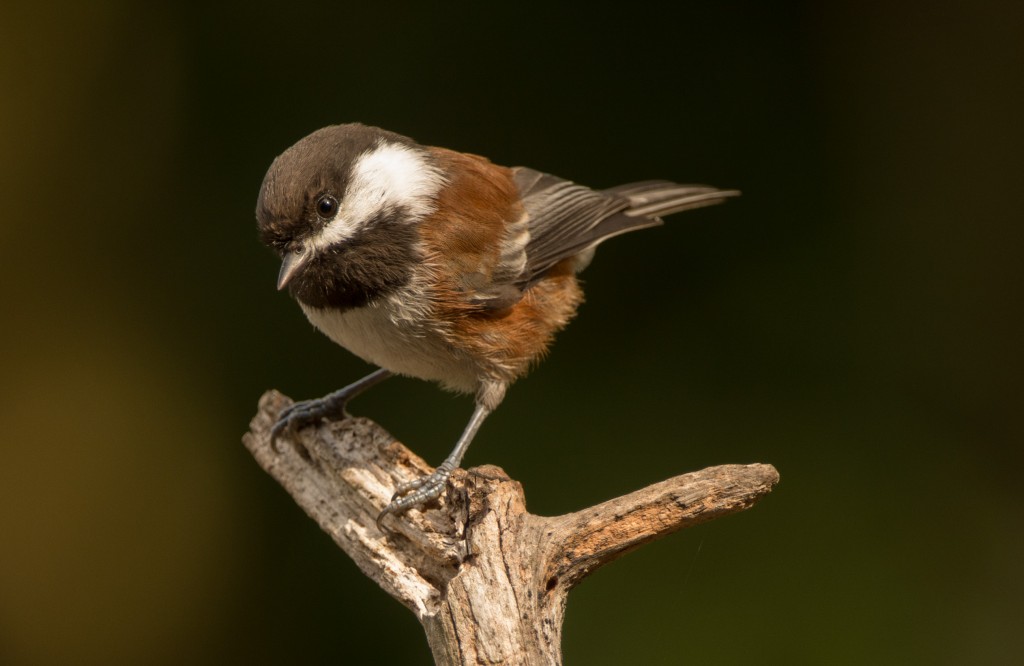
[(475, 237)]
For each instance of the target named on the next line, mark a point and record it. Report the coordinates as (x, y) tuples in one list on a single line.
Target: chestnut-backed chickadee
[(437, 264)]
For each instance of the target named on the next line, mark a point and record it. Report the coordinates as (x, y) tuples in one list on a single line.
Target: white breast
[(373, 334)]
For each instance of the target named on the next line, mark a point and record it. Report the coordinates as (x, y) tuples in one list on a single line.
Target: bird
[(437, 264)]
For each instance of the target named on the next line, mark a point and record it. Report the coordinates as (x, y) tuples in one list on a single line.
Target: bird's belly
[(372, 335)]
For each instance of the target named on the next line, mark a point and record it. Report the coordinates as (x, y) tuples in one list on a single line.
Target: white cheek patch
[(387, 177), (391, 176)]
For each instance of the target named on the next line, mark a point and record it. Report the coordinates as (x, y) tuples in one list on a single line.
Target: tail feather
[(655, 198), (648, 202)]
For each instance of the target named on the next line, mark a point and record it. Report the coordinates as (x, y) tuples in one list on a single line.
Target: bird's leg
[(307, 412), (429, 486)]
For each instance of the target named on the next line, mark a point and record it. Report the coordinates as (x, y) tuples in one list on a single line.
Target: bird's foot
[(307, 412), (416, 492)]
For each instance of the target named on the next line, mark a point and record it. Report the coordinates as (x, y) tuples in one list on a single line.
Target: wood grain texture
[(487, 579)]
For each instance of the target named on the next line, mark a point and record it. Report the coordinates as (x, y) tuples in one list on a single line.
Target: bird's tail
[(655, 198)]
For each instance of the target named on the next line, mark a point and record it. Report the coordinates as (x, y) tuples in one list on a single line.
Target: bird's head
[(340, 208)]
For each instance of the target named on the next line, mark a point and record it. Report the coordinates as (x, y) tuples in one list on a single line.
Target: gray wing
[(564, 219)]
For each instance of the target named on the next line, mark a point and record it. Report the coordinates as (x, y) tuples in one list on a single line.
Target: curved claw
[(414, 493), (304, 413)]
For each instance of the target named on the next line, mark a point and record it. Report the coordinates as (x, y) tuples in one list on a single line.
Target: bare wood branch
[(600, 534), (487, 579)]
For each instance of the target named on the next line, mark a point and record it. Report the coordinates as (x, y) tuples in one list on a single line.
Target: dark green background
[(854, 319)]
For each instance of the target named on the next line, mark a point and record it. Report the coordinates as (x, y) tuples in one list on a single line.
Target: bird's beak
[(292, 263)]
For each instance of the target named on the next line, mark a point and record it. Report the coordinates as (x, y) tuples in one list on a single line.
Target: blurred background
[(853, 319)]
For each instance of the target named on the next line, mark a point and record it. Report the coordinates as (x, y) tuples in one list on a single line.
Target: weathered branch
[(487, 579)]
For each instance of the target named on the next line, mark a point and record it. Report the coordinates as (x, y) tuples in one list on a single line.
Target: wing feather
[(563, 219), (566, 219)]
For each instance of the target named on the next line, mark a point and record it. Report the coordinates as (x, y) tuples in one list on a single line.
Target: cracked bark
[(487, 579)]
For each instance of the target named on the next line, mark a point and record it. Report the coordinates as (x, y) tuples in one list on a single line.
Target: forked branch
[(487, 579)]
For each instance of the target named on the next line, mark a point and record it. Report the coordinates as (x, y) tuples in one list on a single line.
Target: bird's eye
[(326, 206)]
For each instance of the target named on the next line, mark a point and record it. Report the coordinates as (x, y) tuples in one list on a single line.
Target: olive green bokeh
[(854, 319)]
